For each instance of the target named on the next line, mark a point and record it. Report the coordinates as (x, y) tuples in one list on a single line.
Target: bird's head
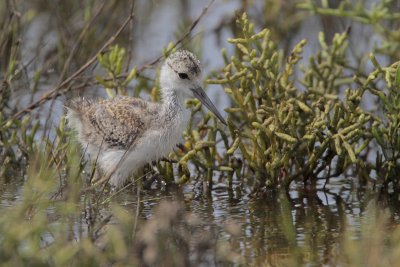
[(181, 73)]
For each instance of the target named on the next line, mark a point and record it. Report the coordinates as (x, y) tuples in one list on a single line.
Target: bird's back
[(111, 123)]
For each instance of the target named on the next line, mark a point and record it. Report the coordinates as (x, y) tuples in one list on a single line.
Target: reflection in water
[(303, 226)]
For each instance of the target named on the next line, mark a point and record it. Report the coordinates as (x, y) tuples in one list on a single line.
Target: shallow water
[(305, 225), (271, 229)]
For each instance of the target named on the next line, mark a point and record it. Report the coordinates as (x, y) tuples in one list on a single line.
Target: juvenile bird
[(124, 133)]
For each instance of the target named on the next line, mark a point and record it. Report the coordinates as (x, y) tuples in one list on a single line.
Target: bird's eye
[(183, 76)]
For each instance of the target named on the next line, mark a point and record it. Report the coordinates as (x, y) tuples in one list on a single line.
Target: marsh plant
[(289, 122)]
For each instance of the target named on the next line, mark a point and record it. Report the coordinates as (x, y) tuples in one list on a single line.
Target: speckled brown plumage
[(115, 123)]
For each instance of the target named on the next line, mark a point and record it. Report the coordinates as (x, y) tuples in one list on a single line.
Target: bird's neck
[(174, 106)]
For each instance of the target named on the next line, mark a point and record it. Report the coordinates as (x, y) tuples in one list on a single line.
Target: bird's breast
[(162, 137)]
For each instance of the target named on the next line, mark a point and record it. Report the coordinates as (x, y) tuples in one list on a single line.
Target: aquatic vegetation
[(381, 16), (289, 128)]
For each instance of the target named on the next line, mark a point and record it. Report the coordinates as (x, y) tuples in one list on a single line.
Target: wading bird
[(124, 133)]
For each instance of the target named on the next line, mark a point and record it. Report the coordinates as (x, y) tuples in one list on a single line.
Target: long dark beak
[(201, 95)]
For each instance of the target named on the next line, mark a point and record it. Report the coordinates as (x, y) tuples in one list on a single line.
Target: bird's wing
[(119, 122)]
